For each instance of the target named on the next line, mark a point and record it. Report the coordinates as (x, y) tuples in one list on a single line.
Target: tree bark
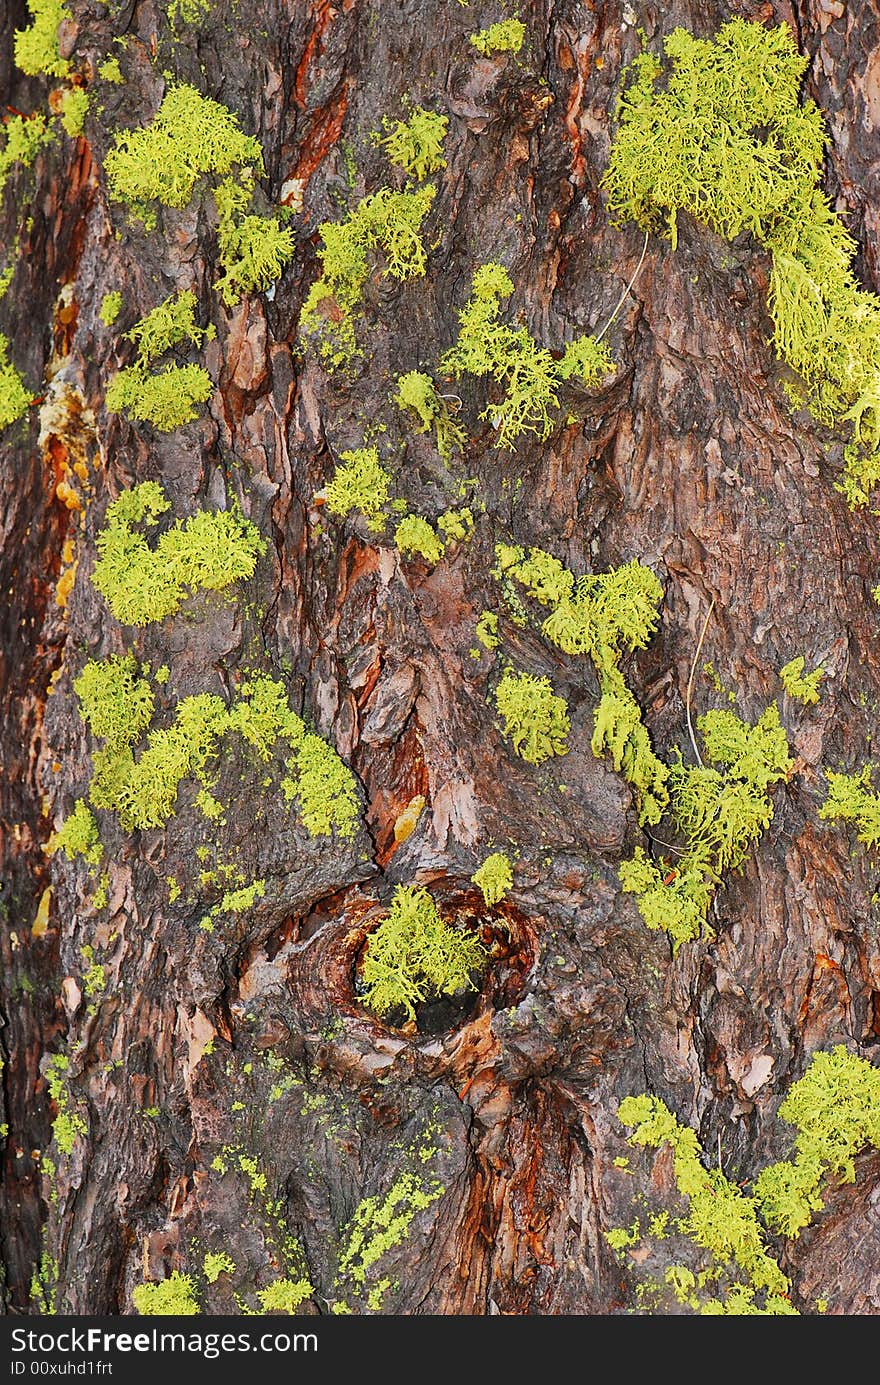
[(252, 1039)]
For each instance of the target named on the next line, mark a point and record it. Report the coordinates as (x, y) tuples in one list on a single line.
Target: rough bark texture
[(690, 460)]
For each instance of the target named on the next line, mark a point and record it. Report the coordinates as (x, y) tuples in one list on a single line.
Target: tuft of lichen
[(78, 836), (209, 551), (721, 132), (15, 398), (507, 36), (388, 222), (74, 108), (535, 718), (111, 307), (21, 139), (414, 955), (171, 1297), (190, 135), (359, 483), (415, 537), (36, 47), (170, 397), (416, 144), (494, 877), (804, 687)]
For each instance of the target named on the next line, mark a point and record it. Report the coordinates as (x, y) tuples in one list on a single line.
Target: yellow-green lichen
[(386, 221), (215, 1263), (284, 1295), (416, 144), (507, 36), (15, 398), (171, 1297), (804, 687), (415, 955), (725, 136), (494, 877), (74, 108), (209, 551), (78, 836), (254, 249), (417, 393), (36, 47), (359, 483), (415, 537), (190, 135), (535, 719), (68, 1125), (111, 307), (21, 139), (527, 374), (850, 799), (110, 71)]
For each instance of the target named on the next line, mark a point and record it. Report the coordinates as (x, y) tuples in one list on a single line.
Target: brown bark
[(691, 460)]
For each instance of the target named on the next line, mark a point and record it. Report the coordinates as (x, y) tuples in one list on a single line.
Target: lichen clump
[(535, 719), (22, 139), (170, 397), (416, 144), (417, 393), (15, 398), (851, 799), (36, 48), (360, 483), (209, 551), (190, 135), (804, 687), (494, 877), (78, 836), (386, 221), (526, 373), (506, 36), (172, 1297), (727, 138), (414, 955)]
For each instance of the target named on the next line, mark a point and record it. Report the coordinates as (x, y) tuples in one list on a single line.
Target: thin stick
[(690, 686), (622, 298)]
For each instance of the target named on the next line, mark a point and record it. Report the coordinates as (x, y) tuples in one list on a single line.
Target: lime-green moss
[(727, 138), (387, 221), (417, 392), (116, 703), (68, 1125), (535, 718), (850, 799), (167, 399), (74, 109), (253, 249), (172, 1297), (836, 1109), (415, 954), (526, 372), (722, 1219), (189, 135), (721, 814), (284, 1296), (505, 37), (21, 139), (494, 877), (110, 71), (36, 48), (78, 836), (803, 687), (207, 552), (360, 483), (381, 1223), (15, 398), (416, 144), (111, 307), (415, 537), (215, 1263)]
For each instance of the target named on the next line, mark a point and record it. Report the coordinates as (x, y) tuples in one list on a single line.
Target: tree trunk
[(251, 1042)]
